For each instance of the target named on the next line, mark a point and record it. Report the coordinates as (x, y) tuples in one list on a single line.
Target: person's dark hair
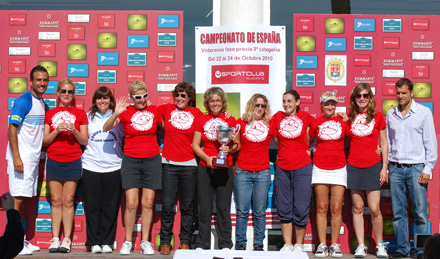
[(102, 92), (187, 88), (38, 68), (295, 95), (431, 249), (405, 81)]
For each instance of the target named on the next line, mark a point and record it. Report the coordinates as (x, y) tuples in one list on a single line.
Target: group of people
[(122, 153)]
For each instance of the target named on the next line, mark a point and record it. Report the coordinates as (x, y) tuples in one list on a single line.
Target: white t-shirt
[(103, 152)]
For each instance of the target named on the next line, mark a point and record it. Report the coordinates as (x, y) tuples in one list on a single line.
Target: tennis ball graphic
[(354, 243), (388, 229), (76, 51), (334, 25), (305, 43), (157, 242), (107, 40), (17, 85), (51, 67), (137, 22), (422, 90), (412, 213), (388, 105)]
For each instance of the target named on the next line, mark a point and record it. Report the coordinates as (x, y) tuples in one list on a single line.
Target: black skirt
[(364, 179)]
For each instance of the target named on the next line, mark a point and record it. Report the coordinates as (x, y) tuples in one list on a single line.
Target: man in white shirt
[(412, 156)]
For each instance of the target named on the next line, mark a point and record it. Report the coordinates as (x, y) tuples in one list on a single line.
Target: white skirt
[(336, 176)]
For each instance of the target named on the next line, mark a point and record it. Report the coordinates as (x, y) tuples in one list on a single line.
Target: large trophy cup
[(224, 135)]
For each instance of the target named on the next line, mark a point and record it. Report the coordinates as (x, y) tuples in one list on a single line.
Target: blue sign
[(307, 62), (335, 44), (108, 58), (79, 208), (77, 70), (50, 104), (80, 88), (137, 59), (43, 225), (43, 207), (166, 39), (392, 25), (430, 105), (363, 43), (168, 21), (138, 41), (51, 87), (305, 80), (107, 76), (11, 101), (364, 25)]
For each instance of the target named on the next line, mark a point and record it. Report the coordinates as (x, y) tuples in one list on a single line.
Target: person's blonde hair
[(66, 81), (249, 114), (136, 85), (218, 91)]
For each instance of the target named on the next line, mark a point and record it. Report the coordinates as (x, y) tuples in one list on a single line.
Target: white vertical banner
[(244, 60)]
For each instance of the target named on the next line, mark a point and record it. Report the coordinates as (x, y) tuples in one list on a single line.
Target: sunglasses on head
[(63, 91), (138, 97), (181, 95), (259, 105), (362, 95)]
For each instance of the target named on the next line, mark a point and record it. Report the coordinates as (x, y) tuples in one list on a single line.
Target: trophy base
[(220, 163)]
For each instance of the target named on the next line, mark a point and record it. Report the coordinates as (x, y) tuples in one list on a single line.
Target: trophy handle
[(237, 130)]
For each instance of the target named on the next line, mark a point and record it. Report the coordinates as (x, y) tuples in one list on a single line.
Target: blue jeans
[(251, 186), (400, 180)]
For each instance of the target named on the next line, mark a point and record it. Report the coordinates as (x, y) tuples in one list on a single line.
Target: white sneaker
[(31, 247), (96, 249), (381, 250), (298, 248), (361, 251), (335, 251), (106, 249), (287, 248), (126, 248), (65, 245), (25, 251), (321, 251), (146, 248), (54, 245)]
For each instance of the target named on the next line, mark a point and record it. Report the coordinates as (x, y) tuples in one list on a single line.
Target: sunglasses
[(181, 95), (362, 95), (63, 91), (259, 105), (138, 97)]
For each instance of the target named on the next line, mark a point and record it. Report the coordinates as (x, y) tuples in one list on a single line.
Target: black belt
[(398, 165)]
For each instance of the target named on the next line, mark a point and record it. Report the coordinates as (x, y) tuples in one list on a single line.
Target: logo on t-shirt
[(330, 130), (291, 127), (359, 128), (210, 128), (62, 116), (256, 131), (142, 120), (181, 120)]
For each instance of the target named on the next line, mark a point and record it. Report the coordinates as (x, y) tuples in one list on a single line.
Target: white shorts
[(336, 176), (23, 184)]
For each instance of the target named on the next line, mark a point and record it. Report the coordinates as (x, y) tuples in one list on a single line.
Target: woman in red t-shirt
[(65, 130), (252, 170), (179, 165), (210, 179), (329, 172), (367, 171), (141, 169)]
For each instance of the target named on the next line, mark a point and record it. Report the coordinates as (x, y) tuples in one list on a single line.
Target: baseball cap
[(328, 96)]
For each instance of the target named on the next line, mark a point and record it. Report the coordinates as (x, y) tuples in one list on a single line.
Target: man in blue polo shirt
[(25, 133)]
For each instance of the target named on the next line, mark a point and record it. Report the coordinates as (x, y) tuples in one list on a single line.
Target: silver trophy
[(224, 135)]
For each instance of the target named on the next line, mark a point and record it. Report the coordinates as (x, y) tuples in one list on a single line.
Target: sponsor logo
[(391, 43), (166, 39), (46, 49), (21, 40), (393, 62), (362, 60), (17, 66), (364, 79), (304, 24), (420, 24), (50, 103), (77, 70), (420, 70), (135, 75), (168, 21), (395, 73), (423, 55), (43, 225), (11, 101), (106, 76), (108, 58), (392, 25), (78, 18), (388, 88), (168, 76), (240, 74), (79, 209), (165, 57), (335, 69), (75, 32), (52, 87), (106, 21), (77, 225), (138, 41), (364, 25), (305, 80), (335, 44), (17, 19), (306, 97), (307, 62), (363, 43), (136, 59), (165, 87), (19, 51), (43, 207), (49, 24), (49, 35), (80, 88), (423, 44)]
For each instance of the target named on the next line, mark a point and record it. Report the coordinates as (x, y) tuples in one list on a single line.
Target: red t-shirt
[(255, 139), (207, 124), (179, 131), (365, 139), (65, 148), (330, 134), (292, 139), (140, 131)]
